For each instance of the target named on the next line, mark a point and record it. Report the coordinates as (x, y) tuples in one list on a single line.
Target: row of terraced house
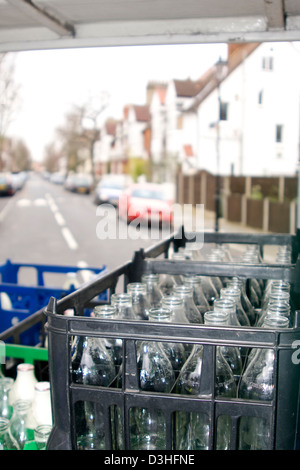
[(241, 117)]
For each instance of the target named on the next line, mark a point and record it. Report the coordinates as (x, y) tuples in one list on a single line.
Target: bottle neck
[(277, 322), (150, 279), (184, 291), (121, 300), (105, 311), (136, 288), (160, 315), (216, 318)]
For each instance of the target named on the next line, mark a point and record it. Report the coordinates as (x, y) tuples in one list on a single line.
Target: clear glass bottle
[(6, 442), (113, 346), (225, 384), (176, 305), (279, 298), (246, 304), (227, 306), (235, 294), (216, 280), (153, 291), (23, 386), (274, 310), (140, 302), (192, 429), (191, 311), (92, 364), (275, 286), (232, 354), (20, 427), (257, 383), (6, 408), (175, 351), (41, 405), (148, 426), (89, 426), (41, 436), (199, 298), (123, 305)]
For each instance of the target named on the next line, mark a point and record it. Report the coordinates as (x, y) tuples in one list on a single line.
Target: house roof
[(237, 53), (186, 88), (142, 113), (110, 126)]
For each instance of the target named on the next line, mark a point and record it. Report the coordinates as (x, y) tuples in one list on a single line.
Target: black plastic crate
[(281, 414)]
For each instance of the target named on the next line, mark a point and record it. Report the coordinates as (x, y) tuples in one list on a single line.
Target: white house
[(136, 121), (258, 131), (167, 144)]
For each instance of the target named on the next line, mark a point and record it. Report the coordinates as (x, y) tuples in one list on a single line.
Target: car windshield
[(149, 194), (111, 184), (82, 180)]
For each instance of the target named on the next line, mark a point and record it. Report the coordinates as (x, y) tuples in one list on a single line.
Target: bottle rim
[(136, 286), (22, 405), (161, 313), (25, 367), (150, 277), (104, 310), (172, 300), (121, 298), (216, 318), (276, 321), (183, 290)]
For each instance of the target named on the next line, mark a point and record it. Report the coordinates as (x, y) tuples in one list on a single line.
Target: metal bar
[(259, 271), (58, 25)]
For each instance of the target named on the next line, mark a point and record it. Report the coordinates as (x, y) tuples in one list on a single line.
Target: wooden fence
[(259, 202)]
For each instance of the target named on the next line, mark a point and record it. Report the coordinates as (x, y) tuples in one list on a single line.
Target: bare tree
[(82, 131), (9, 92), (89, 115)]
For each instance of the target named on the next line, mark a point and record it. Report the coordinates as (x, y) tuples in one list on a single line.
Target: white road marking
[(40, 202), (59, 218), (70, 240), (24, 202)]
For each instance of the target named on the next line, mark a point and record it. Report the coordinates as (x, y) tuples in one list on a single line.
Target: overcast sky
[(53, 80)]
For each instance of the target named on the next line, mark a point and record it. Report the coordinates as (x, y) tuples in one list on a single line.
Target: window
[(267, 63), (260, 97), (279, 133), (223, 111)]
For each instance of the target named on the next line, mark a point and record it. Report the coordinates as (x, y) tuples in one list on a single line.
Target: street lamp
[(220, 70)]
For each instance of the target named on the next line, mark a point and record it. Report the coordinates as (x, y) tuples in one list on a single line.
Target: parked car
[(18, 180), (57, 178), (6, 185), (110, 188), (79, 183), (148, 202)]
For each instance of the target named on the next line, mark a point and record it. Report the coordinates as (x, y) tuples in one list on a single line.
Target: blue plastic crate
[(26, 300)]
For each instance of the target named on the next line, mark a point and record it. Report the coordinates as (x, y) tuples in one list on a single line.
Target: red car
[(147, 201)]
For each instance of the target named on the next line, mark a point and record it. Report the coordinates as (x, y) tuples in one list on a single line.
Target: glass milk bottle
[(23, 387), (41, 406)]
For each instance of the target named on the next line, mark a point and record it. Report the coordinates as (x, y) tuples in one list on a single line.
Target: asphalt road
[(44, 223)]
